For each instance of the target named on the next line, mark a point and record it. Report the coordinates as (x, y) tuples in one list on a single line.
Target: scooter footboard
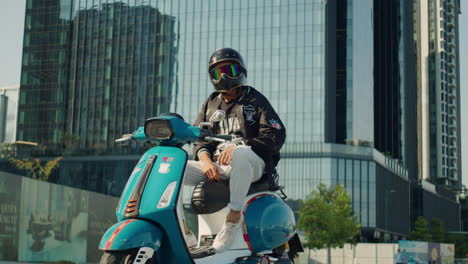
[(133, 233)]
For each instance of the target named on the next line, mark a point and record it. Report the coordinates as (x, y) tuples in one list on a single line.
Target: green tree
[(420, 231), (438, 232), (7, 151), (35, 168), (328, 219)]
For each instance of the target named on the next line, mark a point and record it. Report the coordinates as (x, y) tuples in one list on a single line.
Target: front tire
[(123, 257)]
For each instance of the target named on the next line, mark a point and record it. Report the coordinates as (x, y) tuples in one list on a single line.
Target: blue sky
[(11, 32)]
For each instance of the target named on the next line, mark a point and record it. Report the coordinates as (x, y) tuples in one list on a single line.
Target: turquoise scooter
[(151, 226)]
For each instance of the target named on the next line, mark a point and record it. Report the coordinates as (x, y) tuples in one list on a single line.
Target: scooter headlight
[(167, 195), (158, 129)]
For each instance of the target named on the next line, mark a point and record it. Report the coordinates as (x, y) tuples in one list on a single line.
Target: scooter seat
[(211, 196)]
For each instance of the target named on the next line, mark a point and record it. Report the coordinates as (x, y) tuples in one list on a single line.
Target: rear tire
[(122, 257), (285, 258)]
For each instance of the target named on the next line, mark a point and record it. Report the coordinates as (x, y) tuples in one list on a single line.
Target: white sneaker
[(225, 237)]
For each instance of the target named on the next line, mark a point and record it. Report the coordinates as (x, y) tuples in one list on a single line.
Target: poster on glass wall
[(447, 253), (101, 210), (434, 253), (10, 192), (53, 223), (414, 251)]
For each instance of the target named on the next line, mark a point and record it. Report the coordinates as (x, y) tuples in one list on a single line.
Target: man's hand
[(210, 170), (208, 167), (226, 156)]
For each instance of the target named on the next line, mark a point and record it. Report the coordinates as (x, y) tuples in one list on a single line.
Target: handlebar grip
[(123, 139), (219, 138), (225, 137)]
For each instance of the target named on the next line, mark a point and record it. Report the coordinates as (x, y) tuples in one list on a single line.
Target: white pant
[(246, 167)]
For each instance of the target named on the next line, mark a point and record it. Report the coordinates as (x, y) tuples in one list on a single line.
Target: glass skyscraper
[(8, 106), (93, 71), (437, 41), (122, 70)]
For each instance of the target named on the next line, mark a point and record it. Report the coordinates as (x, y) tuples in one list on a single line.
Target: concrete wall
[(44, 222), (363, 253)]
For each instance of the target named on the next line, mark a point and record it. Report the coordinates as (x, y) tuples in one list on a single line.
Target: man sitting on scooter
[(250, 116)]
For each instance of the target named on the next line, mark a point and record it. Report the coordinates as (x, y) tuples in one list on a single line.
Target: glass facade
[(93, 71), (44, 77), (359, 68), (440, 34), (364, 172), (388, 96), (373, 83), (8, 113), (102, 63), (122, 70), (356, 175), (282, 43)]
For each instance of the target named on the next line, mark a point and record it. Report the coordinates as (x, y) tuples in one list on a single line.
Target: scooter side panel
[(131, 183), (133, 233), (158, 167), (269, 222), (159, 174), (168, 169), (164, 165), (165, 181)]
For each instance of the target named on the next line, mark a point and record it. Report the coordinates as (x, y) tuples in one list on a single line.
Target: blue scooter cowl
[(151, 194), (133, 233), (158, 174)]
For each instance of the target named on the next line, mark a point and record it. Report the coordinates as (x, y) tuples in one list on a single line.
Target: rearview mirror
[(217, 116)]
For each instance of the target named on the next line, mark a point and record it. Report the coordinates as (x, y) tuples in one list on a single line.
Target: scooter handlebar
[(125, 138), (223, 137), (216, 138)]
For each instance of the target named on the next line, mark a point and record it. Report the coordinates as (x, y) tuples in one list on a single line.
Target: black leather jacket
[(254, 120)]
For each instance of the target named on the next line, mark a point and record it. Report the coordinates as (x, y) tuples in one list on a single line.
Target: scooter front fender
[(133, 233)]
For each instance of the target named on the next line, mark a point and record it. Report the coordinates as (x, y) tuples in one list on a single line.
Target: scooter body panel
[(269, 222), (164, 181), (152, 193), (158, 168), (133, 233)]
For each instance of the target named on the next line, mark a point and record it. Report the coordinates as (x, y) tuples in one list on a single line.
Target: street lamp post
[(386, 207), (24, 143)]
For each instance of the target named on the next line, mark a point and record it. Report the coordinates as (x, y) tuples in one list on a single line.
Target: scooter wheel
[(122, 257)]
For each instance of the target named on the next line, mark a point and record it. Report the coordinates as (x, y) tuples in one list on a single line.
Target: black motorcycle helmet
[(225, 82)]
